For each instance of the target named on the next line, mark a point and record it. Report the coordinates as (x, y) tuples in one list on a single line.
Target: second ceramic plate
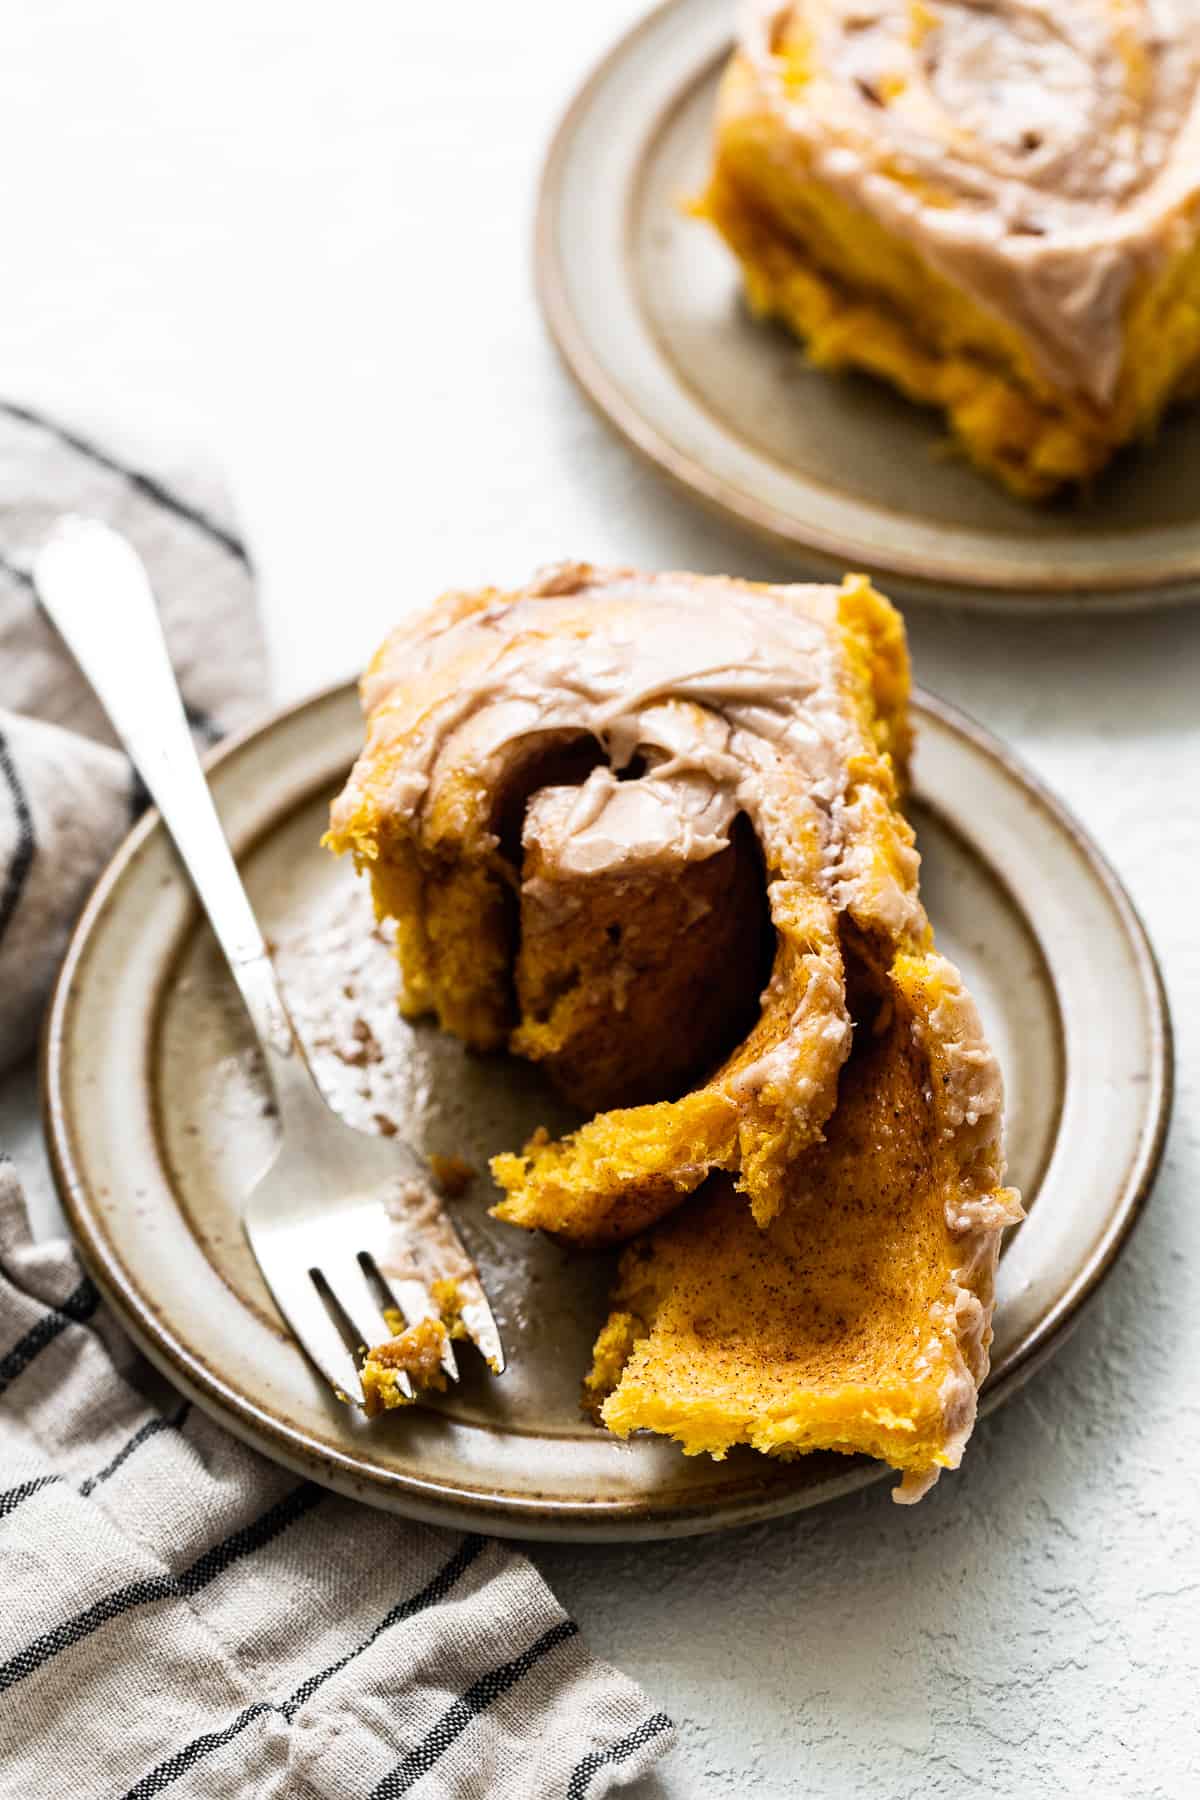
[(159, 1121), (644, 304)]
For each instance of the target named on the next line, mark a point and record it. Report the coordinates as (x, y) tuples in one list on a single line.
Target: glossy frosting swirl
[(1041, 156)]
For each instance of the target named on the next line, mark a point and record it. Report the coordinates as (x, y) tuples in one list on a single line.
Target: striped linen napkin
[(177, 1615)]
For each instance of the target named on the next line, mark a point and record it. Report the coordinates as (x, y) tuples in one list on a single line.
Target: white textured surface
[(299, 235)]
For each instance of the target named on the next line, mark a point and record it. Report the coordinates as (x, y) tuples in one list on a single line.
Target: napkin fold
[(67, 796), (179, 1615)]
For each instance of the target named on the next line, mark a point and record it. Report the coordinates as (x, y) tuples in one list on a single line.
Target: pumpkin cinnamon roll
[(993, 207), (643, 830)]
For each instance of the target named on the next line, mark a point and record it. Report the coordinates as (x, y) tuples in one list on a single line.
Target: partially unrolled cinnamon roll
[(643, 830), (996, 207)]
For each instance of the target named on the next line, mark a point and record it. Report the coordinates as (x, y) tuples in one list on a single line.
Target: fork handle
[(94, 586)]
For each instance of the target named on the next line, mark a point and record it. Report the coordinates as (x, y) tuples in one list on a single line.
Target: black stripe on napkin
[(15, 572), (75, 1309), (203, 724), (581, 1775), (22, 862), (430, 1594), (206, 1568), (187, 1758), (12, 1497), (139, 796), (478, 1697), (137, 478), (152, 1427), (434, 1590)]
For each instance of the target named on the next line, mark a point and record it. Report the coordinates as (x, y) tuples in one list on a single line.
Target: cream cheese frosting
[(730, 697), (707, 698), (729, 694), (700, 703), (1040, 155)]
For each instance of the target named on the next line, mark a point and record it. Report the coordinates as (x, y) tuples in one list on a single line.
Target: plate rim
[(535, 1516), (825, 551)]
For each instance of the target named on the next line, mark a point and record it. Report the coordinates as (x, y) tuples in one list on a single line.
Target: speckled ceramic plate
[(644, 304), (159, 1121)]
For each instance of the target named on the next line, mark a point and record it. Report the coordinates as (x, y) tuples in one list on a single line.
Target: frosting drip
[(1039, 155)]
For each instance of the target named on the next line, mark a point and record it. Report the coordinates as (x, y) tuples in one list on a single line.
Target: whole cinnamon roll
[(643, 829), (992, 206)]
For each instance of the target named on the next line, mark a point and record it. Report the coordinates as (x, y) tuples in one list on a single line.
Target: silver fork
[(335, 1201)]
